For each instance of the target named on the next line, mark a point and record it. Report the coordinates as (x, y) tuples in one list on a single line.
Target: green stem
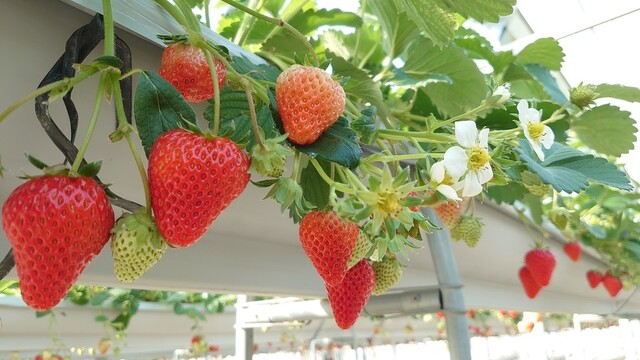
[(353, 177), (423, 136), (174, 12), (338, 186), (216, 92), (207, 17), (109, 36), (92, 124), (296, 171), (192, 21), (61, 85), (557, 115), (278, 22), (469, 115), (402, 157), (254, 117), (123, 123), (244, 28), (286, 16), (356, 48), (130, 73), (352, 107)]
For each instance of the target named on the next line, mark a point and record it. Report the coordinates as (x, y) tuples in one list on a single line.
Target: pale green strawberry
[(136, 245), (388, 273), (363, 245), (469, 229)]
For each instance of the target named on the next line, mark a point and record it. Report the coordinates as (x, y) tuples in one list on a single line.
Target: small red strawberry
[(329, 242), (56, 226), (192, 180), (449, 212), (573, 250), (612, 284), (541, 263), (103, 346), (309, 101), (594, 278), (531, 287), (186, 68), (349, 297)]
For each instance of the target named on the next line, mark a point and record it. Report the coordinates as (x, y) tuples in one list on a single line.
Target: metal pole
[(244, 336), (451, 290)]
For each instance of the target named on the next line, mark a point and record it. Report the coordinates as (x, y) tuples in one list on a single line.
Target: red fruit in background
[(531, 287), (214, 348), (573, 250), (56, 226), (196, 339), (440, 314), (540, 263), (309, 102), (192, 180), (594, 278), (612, 284), (349, 297), (103, 346), (186, 68), (328, 241), (449, 212)]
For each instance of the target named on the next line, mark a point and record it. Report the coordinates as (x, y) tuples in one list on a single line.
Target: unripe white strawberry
[(388, 273), (469, 229), (363, 245)]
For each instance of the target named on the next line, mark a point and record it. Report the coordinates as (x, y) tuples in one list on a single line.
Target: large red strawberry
[(192, 180), (56, 226), (594, 278), (541, 263), (309, 102), (348, 298), (612, 284), (328, 241), (573, 250), (186, 68), (531, 287)]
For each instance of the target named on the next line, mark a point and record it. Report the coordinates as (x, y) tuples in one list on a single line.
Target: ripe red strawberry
[(449, 212), (309, 102), (541, 263), (531, 287), (186, 68), (612, 284), (192, 180), (573, 250), (349, 297), (56, 226), (329, 242), (594, 278)]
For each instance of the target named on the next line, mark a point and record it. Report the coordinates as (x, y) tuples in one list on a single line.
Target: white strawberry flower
[(445, 184), (471, 159), (537, 133), (504, 93)]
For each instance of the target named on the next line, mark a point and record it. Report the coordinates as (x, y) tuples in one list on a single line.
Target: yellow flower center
[(478, 158), (536, 130), (388, 202), (448, 180)]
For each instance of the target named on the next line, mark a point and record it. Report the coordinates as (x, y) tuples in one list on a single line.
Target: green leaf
[(40, 314), (99, 298), (359, 84), (312, 19), (468, 88), (337, 144), (285, 45), (314, 189), (398, 31), (616, 91), (261, 71), (39, 164), (632, 248), (478, 47), (90, 169), (439, 24), (482, 10), (365, 126), (546, 52), (158, 107), (544, 77), (507, 194), (121, 322), (101, 318), (606, 129), (402, 79)]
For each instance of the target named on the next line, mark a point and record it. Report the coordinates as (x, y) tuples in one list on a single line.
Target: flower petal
[(466, 133), (485, 174), (537, 149), (471, 185), (455, 161), (523, 106), (448, 192), (437, 172), (547, 137), (483, 138)]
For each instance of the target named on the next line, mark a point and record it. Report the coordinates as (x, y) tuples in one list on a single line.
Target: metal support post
[(244, 336), (451, 290)]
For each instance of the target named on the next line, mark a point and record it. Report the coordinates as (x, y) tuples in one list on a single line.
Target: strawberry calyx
[(269, 159)]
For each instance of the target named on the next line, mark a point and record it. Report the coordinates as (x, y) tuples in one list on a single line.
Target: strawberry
[(136, 245), (388, 273), (594, 278), (192, 180), (103, 346), (56, 226), (612, 284), (363, 245), (328, 241), (185, 67), (309, 101), (449, 212), (541, 263), (573, 250), (469, 229), (531, 287), (349, 297)]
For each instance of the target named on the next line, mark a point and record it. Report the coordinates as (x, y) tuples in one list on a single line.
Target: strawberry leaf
[(598, 126), (314, 189), (544, 77), (90, 169), (159, 107), (337, 144), (365, 126)]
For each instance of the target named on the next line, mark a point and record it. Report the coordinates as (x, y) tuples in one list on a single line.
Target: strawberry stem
[(216, 92), (278, 22), (421, 136), (174, 12), (252, 114), (109, 36), (92, 124), (338, 186), (192, 21)]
